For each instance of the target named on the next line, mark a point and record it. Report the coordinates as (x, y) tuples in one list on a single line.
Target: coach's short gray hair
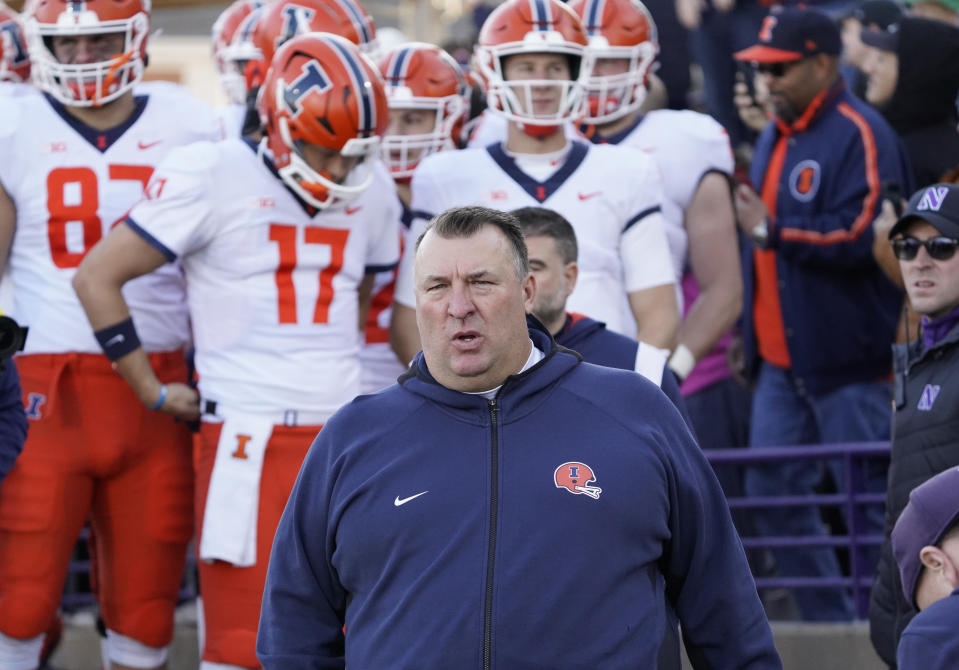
[(467, 222)]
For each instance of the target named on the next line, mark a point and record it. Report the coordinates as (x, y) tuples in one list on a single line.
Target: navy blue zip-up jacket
[(839, 311), (430, 523), (13, 421), (601, 346)]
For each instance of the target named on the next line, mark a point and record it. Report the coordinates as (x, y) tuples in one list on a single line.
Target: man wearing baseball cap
[(926, 415), (818, 167), (926, 544)]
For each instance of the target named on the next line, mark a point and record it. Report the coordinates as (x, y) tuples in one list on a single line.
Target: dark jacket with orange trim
[(839, 311)]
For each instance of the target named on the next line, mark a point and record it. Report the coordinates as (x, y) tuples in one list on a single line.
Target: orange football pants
[(232, 596), (94, 451)]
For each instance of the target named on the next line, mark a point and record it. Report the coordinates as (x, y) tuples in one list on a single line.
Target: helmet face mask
[(322, 91), (533, 27), (88, 84), (617, 30), (426, 86), (612, 96), (231, 52)]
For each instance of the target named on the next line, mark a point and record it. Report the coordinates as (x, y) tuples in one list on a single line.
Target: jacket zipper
[(491, 546)]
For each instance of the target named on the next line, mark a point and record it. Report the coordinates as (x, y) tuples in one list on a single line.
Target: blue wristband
[(162, 399), (118, 340)]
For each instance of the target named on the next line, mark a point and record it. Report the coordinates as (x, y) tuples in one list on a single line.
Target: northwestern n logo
[(928, 397), (933, 198), (313, 77)]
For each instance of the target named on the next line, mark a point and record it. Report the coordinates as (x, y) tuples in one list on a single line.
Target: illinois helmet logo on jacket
[(575, 478)]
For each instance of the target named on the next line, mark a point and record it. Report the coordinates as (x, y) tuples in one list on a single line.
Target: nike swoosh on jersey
[(587, 196), (143, 146), (402, 501), (353, 210)]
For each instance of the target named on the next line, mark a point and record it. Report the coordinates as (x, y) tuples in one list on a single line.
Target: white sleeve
[(426, 202), (175, 215), (644, 249), (383, 252), (650, 362)]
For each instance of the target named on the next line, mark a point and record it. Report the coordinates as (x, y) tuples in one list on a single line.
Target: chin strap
[(538, 132)]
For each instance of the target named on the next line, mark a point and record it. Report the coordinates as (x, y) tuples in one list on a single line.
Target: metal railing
[(852, 501)]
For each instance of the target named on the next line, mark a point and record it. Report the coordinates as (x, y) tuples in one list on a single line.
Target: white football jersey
[(687, 146), (231, 119), (611, 196), (69, 184), (381, 367), (272, 284)]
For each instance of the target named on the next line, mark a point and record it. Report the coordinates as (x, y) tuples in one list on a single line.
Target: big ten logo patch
[(804, 180), (241, 442)]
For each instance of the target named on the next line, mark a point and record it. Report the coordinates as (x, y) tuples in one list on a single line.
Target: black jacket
[(924, 443), (13, 422), (922, 109)]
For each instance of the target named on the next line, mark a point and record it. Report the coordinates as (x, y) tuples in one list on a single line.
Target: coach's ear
[(529, 292), (571, 274)]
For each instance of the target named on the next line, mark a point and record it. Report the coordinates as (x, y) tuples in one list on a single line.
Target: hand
[(736, 360), (181, 401), (750, 209), (689, 13), (750, 111), (885, 221)]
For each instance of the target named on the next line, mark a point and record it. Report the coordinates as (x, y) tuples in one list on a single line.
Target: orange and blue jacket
[(815, 300)]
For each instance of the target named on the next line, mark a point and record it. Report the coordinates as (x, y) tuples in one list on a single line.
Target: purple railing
[(853, 455), (852, 500)]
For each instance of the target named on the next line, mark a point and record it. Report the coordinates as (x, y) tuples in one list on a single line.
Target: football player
[(694, 154), (74, 160), (231, 60), (266, 29), (279, 241), (428, 99), (531, 55)]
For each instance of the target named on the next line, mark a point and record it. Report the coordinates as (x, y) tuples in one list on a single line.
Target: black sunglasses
[(775, 70), (939, 248)]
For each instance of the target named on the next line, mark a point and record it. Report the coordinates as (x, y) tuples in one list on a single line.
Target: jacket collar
[(516, 390), (813, 111)]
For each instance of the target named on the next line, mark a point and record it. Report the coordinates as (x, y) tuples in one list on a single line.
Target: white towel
[(233, 499)]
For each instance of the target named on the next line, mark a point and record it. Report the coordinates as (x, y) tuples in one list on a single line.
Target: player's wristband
[(161, 399), (682, 361), (118, 340)]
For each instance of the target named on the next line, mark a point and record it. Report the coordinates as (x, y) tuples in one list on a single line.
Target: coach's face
[(471, 309)]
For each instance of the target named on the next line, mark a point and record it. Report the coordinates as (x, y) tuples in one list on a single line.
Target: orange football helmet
[(87, 84), (229, 67), (622, 30), (14, 59), (321, 90), (423, 77), (285, 19), (532, 26)]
